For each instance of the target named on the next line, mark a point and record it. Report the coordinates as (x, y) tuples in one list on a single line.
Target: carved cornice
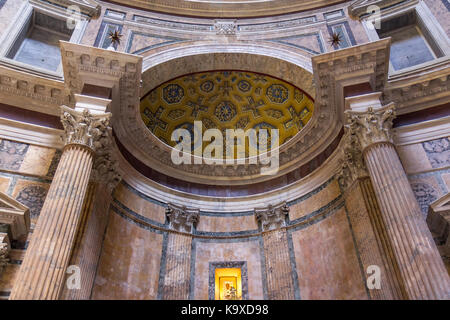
[(182, 219), (88, 7), (15, 215), (224, 27), (373, 126), (272, 217), (419, 90), (335, 70), (360, 8), (353, 166), (83, 128), (30, 91)]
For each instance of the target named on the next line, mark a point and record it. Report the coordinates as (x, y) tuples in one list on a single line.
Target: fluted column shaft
[(88, 243), (280, 284), (182, 221), (420, 265), (42, 272), (178, 262), (418, 258)]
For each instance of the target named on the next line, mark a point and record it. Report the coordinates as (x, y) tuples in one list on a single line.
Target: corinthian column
[(272, 222), (419, 263), (42, 272), (94, 218), (373, 245)]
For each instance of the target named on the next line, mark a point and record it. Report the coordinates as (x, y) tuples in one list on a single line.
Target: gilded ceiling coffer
[(181, 218), (421, 267), (53, 238), (272, 217)]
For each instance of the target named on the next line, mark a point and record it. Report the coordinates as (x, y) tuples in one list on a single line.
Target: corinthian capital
[(372, 126), (353, 166), (83, 128), (272, 217), (181, 218)]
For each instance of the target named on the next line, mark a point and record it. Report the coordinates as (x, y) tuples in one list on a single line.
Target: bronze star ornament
[(115, 37), (335, 39)]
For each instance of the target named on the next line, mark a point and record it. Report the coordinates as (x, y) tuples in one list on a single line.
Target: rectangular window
[(38, 41), (412, 44)]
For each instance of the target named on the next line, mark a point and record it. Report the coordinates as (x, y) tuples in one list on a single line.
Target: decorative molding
[(88, 7), (272, 217), (225, 27), (373, 126), (336, 70), (288, 193), (419, 89), (182, 219), (84, 128), (15, 215), (229, 8), (423, 131), (30, 133), (353, 166), (106, 165), (31, 91), (360, 8), (161, 66)]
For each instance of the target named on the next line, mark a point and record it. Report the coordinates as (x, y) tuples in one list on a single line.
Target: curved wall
[(322, 255)]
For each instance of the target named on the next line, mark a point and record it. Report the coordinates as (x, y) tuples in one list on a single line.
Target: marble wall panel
[(414, 158), (233, 223), (326, 260), (139, 204), (315, 200), (129, 265), (32, 194), (4, 184)]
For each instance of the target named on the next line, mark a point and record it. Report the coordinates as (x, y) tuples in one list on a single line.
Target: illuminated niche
[(228, 280), (228, 284)]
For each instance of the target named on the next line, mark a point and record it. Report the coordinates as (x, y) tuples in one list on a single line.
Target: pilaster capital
[(83, 128), (353, 166), (182, 219), (371, 126), (106, 165), (272, 217)]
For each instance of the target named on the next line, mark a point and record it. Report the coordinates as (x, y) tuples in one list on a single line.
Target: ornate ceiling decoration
[(226, 100), (227, 8)]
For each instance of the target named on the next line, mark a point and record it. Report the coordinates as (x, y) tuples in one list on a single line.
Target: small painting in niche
[(228, 284)]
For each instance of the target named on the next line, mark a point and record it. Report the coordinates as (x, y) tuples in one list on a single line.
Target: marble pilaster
[(182, 220), (272, 221)]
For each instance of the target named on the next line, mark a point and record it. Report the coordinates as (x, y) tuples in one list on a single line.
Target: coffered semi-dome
[(226, 100)]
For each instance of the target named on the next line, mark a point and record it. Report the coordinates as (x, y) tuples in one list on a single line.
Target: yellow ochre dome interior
[(226, 100)]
